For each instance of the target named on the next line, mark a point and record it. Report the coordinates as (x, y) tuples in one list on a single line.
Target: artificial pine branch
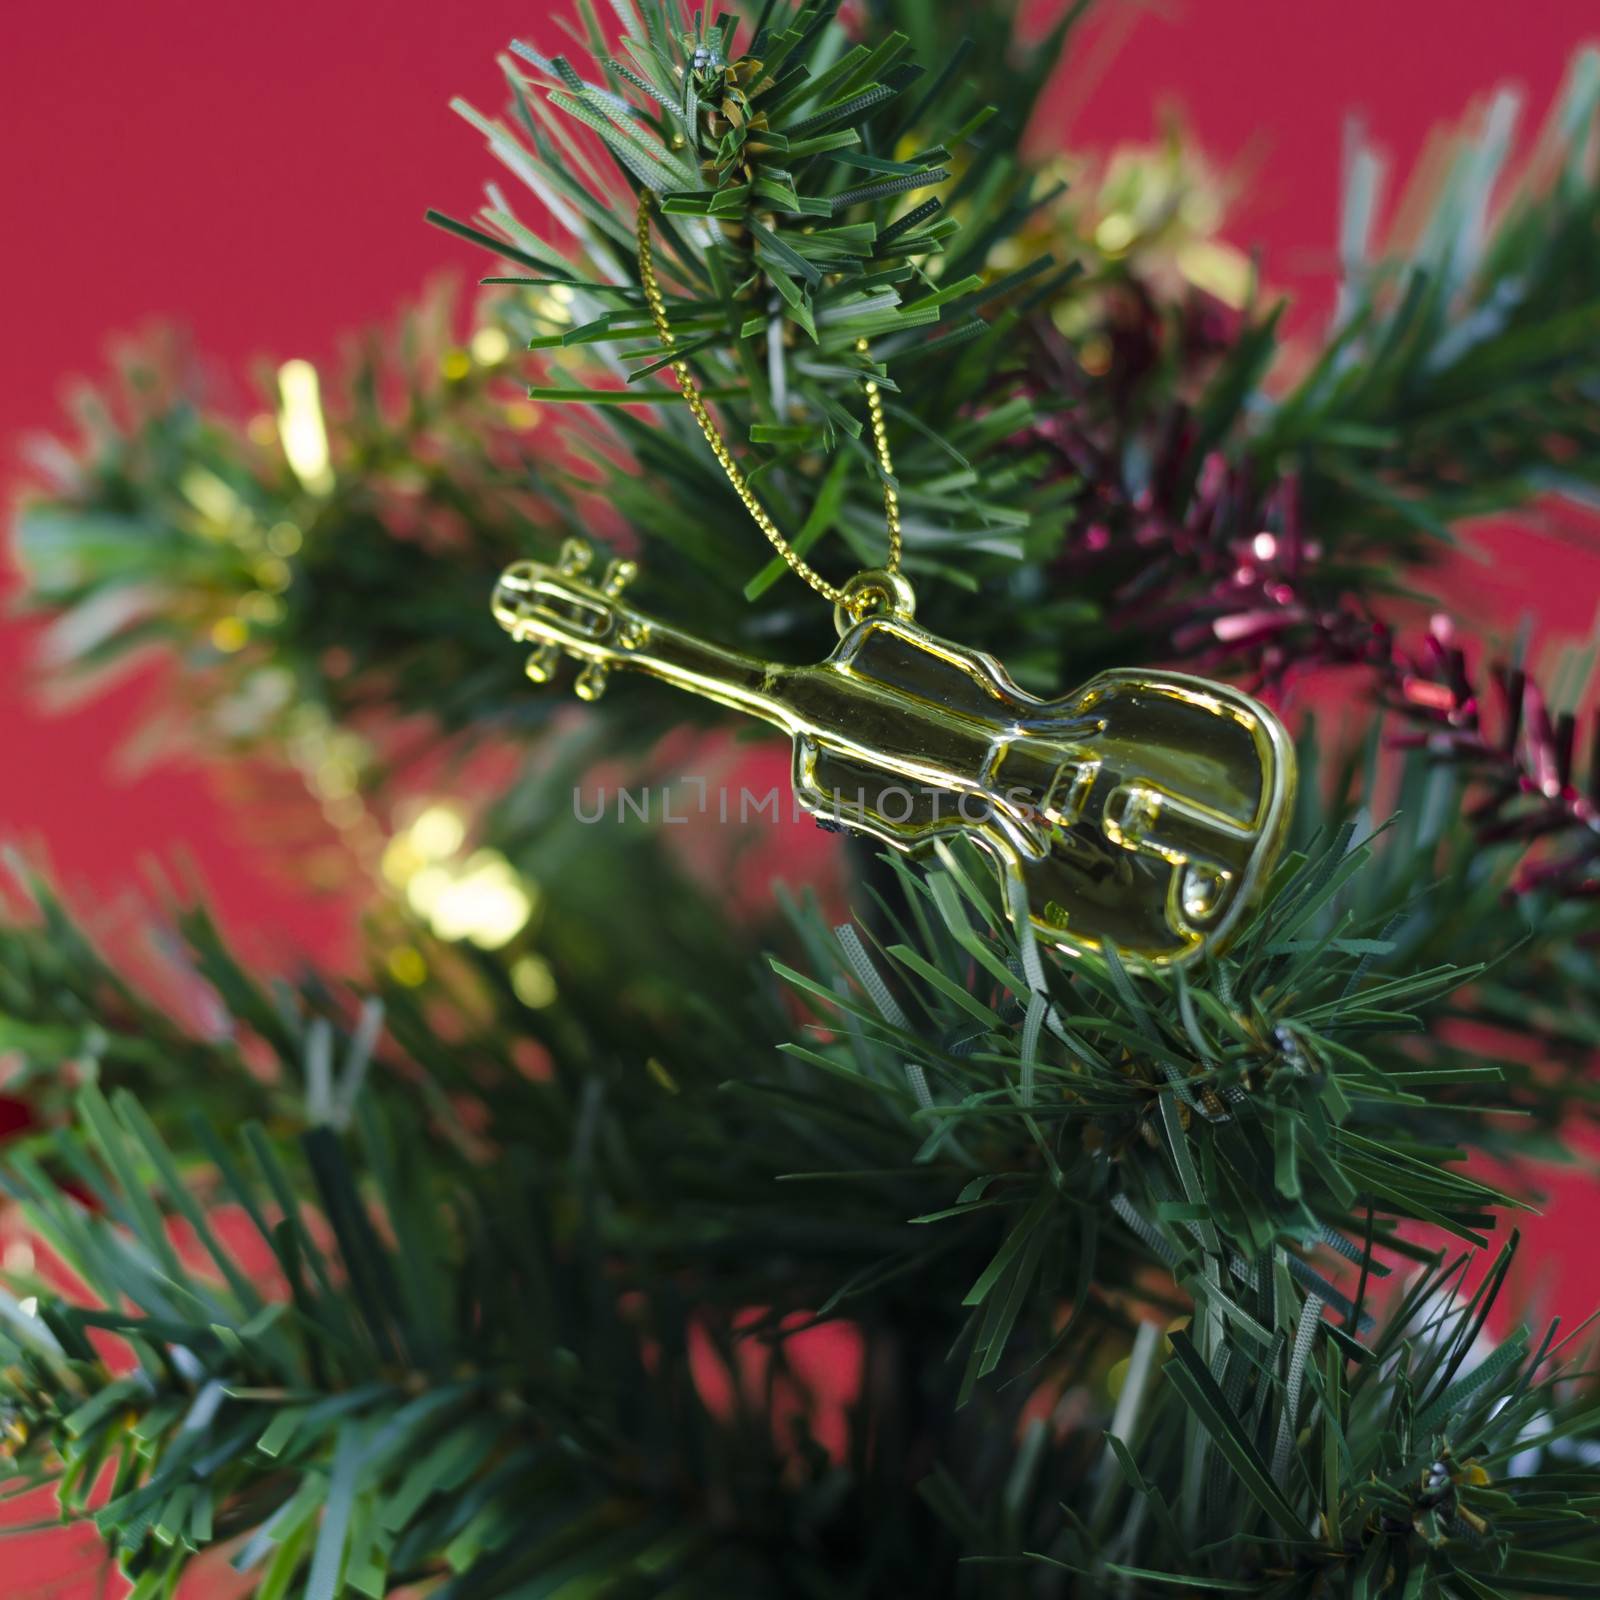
[(1042, 1181), (456, 1400), (1009, 1193), (749, 147)]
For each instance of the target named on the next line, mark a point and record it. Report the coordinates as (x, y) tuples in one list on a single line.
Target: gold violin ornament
[(1144, 811)]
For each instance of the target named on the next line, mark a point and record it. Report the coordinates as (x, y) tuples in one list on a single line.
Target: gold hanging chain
[(719, 445)]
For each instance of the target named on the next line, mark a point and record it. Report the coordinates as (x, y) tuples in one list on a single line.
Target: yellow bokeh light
[(211, 497), (1071, 316), (438, 832), (407, 967), (482, 899), (485, 903), (284, 539), (334, 778), (425, 888), (229, 634), (490, 346), (400, 861), (301, 426), (456, 365), (261, 608), (533, 982), (273, 574), (1115, 233), (1217, 268)]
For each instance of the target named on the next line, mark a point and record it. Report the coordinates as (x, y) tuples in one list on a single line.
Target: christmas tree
[(501, 1270)]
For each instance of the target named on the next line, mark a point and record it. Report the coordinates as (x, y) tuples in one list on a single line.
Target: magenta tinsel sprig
[(1530, 792), (1180, 539), (1232, 579), (1208, 552)]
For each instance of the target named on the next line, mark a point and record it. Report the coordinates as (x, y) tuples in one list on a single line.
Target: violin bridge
[(1047, 791)]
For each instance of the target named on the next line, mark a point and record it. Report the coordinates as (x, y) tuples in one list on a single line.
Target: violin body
[(1144, 811)]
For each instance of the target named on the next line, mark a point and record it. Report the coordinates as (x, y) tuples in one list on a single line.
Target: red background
[(260, 175)]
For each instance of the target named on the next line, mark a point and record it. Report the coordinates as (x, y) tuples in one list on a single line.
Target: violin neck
[(729, 677)]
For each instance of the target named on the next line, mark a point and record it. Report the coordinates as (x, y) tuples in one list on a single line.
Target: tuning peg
[(575, 558), (591, 682), (543, 662), (619, 574)]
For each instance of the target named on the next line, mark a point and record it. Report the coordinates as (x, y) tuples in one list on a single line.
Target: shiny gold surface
[(1143, 811)]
